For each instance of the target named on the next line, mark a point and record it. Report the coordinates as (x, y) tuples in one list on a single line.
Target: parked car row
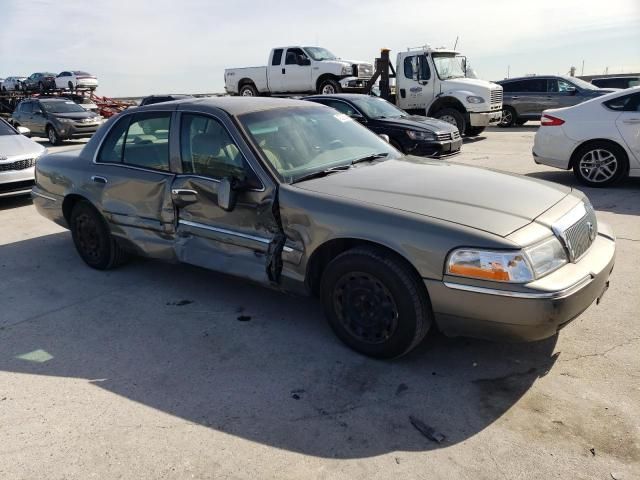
[(525, 98), (46, 81)]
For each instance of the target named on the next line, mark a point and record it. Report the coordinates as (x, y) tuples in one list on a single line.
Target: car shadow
[(623, 198), (246, 360), (523, 128), (67, 143), (466, 140), (7, 203)]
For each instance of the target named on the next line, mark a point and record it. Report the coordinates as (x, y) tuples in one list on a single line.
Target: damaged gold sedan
[(303, 199)]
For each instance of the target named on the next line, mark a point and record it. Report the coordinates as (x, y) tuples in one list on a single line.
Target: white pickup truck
[(299, 70)]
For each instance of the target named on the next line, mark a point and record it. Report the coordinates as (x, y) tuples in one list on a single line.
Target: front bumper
[(483, 119), (77, 130), (16, 182), (533, 312), (354, 84), (434, 149)]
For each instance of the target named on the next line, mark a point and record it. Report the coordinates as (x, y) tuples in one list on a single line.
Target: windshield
[(581, 83), (374, 107), (448, 66), (5, 129), (81, 73), (304, 140), (61, 107), (319, 54)]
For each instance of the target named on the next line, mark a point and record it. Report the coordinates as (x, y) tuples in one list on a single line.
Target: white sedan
[(599, 139), (74, 79), (12, 83)]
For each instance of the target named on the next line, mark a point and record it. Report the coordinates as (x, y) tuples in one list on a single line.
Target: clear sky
[(140, 47)]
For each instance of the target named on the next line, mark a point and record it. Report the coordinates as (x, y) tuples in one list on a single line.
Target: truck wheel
[(509, 117), (329, 87), (248, 90), (474, 131), (375, 303), (92, 238), (454, 117), (600, 164)]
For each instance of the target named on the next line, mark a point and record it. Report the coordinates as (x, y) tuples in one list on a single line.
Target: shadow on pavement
[(623, 198), (7, 203), (245, 360)]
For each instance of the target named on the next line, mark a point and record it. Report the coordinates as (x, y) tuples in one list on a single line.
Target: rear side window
[(534, 85), (627, 103), (277, 57), (140, 140)]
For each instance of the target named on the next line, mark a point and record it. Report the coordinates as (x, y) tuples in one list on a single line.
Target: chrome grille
[(18, 165), (443, 137), (496, 96), (578, 237), (455, 135)]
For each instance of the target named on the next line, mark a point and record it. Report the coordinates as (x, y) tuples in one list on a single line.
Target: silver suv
[(526, 97)]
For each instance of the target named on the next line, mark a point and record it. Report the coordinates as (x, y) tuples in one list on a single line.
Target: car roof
[(231, 105), (615, 78), (342, 96)]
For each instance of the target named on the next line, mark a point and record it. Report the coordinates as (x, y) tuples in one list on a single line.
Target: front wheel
[(474, 131), (454, 117), (329, 87), (52, 135), (375, 303), (600, 164), (92, 238)]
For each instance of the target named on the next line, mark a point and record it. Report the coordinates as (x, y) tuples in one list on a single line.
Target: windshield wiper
[(321, 173), (370, 158)]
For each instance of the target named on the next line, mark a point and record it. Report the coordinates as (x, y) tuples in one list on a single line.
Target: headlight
[(347, 70), (546, 256), (66, 120), (474, 99), (420, 135), (508, 266)]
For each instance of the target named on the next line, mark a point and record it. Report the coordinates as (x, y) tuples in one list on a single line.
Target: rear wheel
[(329, 87), (92, 238), (600, 164), (454, 117), (375, 303), (509, 117), (41, 86), (248, 90)]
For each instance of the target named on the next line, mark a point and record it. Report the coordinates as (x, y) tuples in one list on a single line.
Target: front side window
[(417, 68), (140, 140), (378, 108), (292, 56), (207, 149), (277, 57), (304, 140), (342, 107), (535, 85)]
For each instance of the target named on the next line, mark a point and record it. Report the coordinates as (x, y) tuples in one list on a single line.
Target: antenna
[(456, 44)]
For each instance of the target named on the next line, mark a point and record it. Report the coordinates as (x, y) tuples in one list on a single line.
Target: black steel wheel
[(375, 303), (92, 238)]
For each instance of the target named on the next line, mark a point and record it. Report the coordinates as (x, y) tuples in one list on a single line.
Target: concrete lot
[(145, 372)]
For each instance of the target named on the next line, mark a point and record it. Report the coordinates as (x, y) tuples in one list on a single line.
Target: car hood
[(497, 203), (75, 115), (419, 122), (469, 84), (18, 145)]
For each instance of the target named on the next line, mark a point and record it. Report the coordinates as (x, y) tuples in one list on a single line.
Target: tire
[(329, 87), (520, 122), (379, 288), (70, 85), (509, 117), (248, 90), (600, 164), (474, 131), (454, 117), (52, 135), (93, 241), (41, 86)]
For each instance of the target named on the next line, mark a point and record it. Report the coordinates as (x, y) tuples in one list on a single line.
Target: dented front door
[(240, 242)]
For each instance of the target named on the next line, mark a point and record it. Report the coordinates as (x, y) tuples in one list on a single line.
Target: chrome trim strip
[(506, 293), (263, 240), (38, 194)]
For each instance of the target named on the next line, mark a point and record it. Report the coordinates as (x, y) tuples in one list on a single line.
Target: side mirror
[(37, 112), (303, 61), (572, 90), (357, 117), (24, 131), (227, 194), (385, 137)]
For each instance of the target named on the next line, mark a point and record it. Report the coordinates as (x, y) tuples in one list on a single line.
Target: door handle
[(284, 70), (515, 97), (631, 121), (98, 179), (184, 196), (403, 93)]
